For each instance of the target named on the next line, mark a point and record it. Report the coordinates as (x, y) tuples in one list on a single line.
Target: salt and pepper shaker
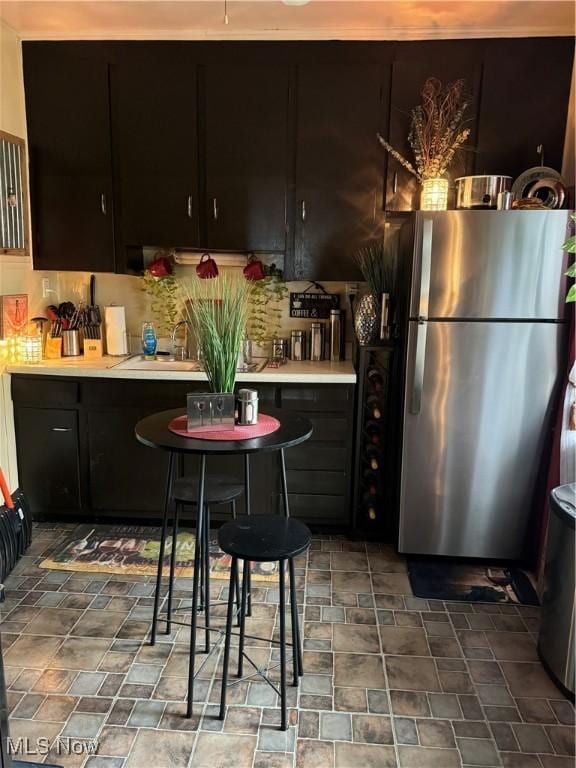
[(247, 407)]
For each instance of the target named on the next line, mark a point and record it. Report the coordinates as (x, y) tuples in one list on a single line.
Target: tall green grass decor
[(217, 310)]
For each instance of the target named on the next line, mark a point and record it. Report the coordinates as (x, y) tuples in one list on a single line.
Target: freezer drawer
[(489, 264), (474, 426)]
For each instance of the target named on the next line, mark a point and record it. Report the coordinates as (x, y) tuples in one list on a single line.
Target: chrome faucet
[(180, 350)]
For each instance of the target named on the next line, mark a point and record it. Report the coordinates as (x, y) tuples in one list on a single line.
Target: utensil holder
[(71, 344)]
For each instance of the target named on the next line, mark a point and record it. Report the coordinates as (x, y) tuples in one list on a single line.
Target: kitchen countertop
[(306, 372)]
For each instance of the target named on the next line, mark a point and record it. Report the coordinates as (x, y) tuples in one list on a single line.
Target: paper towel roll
[(116, 337)]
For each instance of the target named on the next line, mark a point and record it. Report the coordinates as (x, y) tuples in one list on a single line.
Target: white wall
[(14, 271), (12, 112)]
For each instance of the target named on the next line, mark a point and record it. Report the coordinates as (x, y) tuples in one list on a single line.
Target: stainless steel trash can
[(556, 640)]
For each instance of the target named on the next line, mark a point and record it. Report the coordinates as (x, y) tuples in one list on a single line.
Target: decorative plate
[(523, 183)]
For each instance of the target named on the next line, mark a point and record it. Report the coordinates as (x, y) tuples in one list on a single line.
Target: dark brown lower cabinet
[(49, 458), (78, 455)]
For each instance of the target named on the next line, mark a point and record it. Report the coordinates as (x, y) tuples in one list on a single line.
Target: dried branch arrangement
[(437, 131)]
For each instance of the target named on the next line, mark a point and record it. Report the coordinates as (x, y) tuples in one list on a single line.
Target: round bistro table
[(154, 432)]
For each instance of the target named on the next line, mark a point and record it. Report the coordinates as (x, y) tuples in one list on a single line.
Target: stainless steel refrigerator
[(485, 342)]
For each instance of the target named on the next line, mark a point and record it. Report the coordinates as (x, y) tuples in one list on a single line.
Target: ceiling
[(266, 19)]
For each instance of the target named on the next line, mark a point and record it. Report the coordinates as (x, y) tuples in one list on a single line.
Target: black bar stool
[(264, 539), (218, 490)]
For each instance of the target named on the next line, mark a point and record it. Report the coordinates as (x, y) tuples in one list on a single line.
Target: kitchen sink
[(167, 363), (160, 363)]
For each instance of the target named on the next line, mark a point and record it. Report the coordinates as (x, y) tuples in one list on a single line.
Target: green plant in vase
[(570, 247), (265, 313), (159, 283), (217, 310)]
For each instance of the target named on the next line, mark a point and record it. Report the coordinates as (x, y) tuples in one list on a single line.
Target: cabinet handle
[(303, 210), (61, 429), (189, 206), (103, 204), (215, 209), (395, 183)]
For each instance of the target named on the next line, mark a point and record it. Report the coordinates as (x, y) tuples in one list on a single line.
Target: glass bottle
[(149, 340)]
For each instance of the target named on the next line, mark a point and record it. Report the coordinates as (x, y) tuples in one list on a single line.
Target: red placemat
[(266, 425)]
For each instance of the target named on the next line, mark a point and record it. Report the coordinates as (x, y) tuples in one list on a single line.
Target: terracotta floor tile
[(311, 753), (80, 653), (512, 646), (365, 755), (53, 621), (423, 757), (361, 638), (414, 674), (391, 583), (525, 676), (34, 651), (358, 670), (57, 708), (404, 640), (372, 729), (173, 750), (220, 749)]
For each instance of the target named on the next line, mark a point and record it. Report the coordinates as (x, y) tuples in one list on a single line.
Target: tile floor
[(391, 680)]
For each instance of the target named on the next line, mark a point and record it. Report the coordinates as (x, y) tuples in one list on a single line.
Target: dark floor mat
[(441, 580)]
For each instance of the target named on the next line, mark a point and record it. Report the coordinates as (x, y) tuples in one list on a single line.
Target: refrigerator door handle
[(419, 363), (425, 267)]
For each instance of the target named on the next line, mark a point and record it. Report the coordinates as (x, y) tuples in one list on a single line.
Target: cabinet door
[(339, 165), (67, 110), (525, 94), (154, 98), (124, 474), (246, 114), (448, 61), (48, 458)]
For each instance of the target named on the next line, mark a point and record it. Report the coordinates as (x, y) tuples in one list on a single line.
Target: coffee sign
[(313, 306)]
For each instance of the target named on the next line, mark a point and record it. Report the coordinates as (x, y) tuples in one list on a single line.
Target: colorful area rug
[(467, 582), (134, 551)]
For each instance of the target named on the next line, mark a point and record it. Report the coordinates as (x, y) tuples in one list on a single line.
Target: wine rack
[(376, 445)]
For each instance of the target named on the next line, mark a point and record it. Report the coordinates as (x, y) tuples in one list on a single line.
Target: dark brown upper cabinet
[(155, 118), (525, 95), (68, 116), (340, 106), (245, 110), (414, 64)]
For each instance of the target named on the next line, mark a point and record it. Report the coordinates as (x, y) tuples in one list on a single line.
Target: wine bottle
[(375, 407), (375, 379), (374, 432), (370, 507), (372, 457), (370, 482)]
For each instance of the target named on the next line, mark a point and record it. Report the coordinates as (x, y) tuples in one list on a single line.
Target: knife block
[(92, 348), (53, 348)]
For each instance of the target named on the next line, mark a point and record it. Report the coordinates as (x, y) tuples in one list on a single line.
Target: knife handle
[(5, 492)]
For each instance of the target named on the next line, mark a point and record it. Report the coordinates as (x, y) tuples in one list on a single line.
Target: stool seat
[(217, 490), (264, 538)]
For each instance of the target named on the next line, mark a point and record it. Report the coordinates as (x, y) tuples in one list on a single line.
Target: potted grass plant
[(217, 311), (378, 270)]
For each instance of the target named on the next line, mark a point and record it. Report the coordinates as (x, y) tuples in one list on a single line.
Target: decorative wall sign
[(13, 315), (313, 306), (13, 195)]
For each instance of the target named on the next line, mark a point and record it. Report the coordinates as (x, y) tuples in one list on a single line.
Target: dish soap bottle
[(149, 341)]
